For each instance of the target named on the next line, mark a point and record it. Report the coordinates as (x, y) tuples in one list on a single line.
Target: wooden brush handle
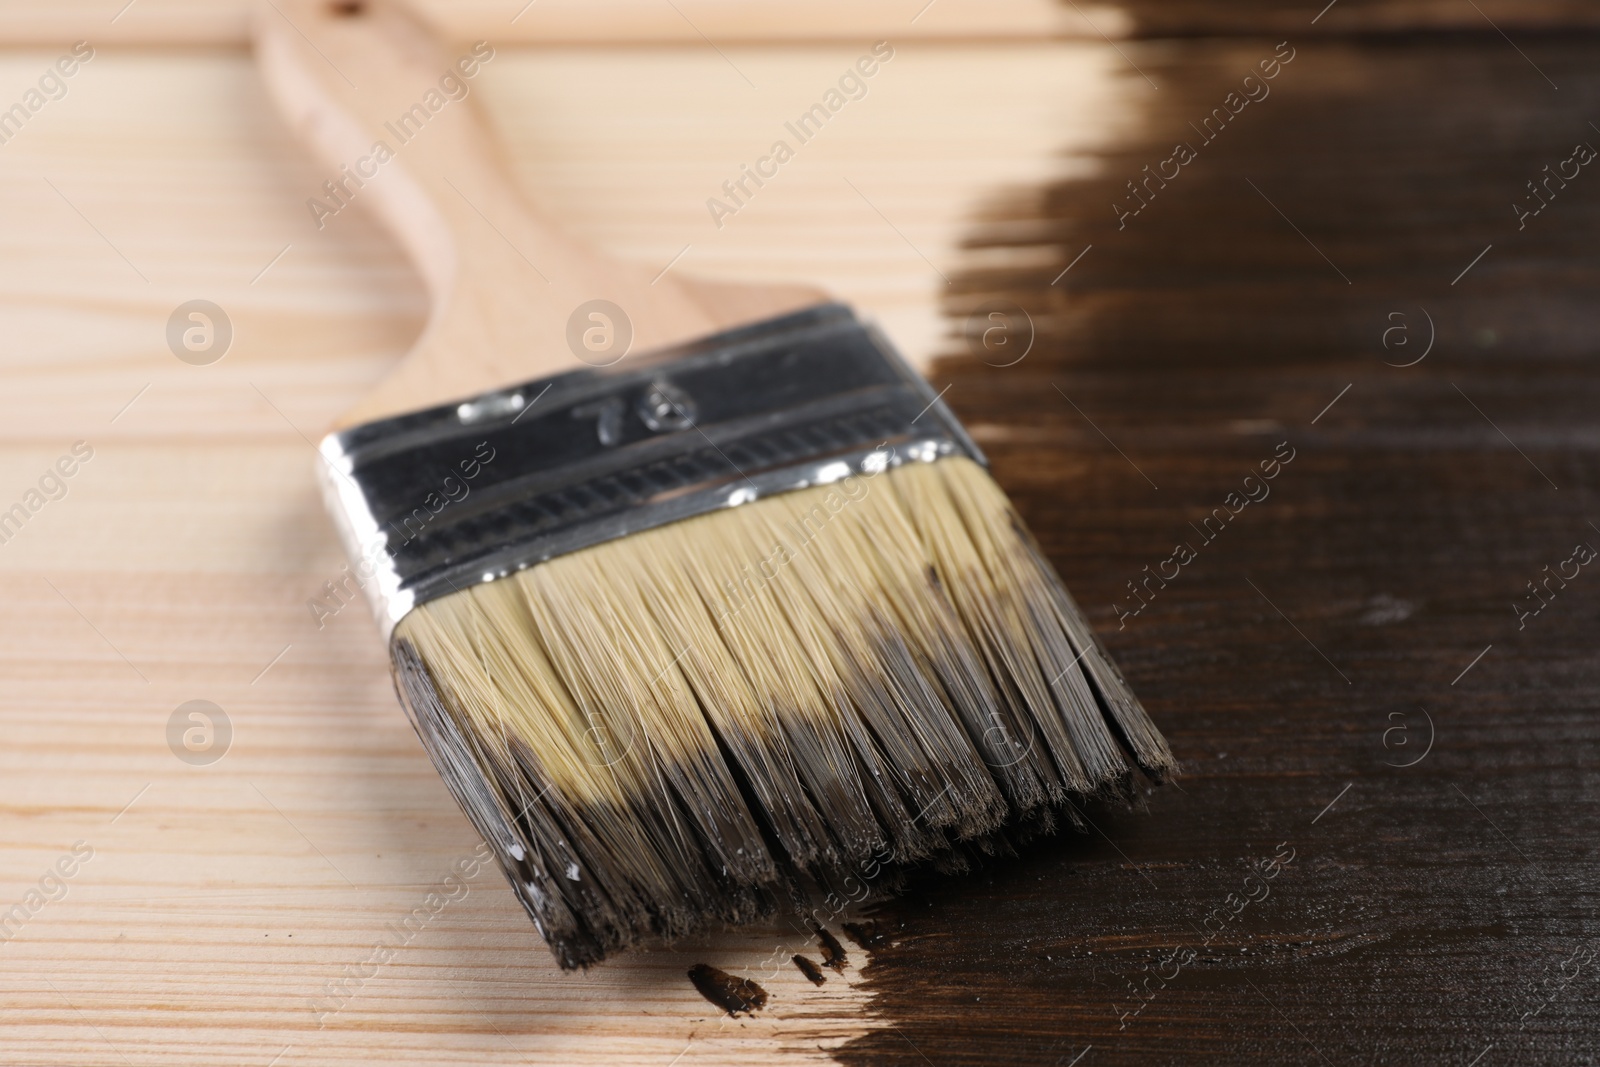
[(363, 81)]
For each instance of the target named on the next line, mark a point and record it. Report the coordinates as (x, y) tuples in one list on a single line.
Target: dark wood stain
[(1380, 851), (810, 970), (864, 934), (727, 991), (1202, 18)]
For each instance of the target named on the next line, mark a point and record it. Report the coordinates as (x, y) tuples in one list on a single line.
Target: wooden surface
[(1432, 913)]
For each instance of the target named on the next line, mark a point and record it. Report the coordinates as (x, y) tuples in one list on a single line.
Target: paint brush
[(699, 598)]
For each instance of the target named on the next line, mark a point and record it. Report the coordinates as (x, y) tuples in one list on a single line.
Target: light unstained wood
[(179, 564), (690, 22), (694, 23)]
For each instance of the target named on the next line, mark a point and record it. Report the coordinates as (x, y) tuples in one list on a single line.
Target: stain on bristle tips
[(810, 970), (833, 954), (727, 991), (698, 724)]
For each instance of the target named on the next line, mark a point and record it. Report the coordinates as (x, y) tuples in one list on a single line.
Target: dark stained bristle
[(815, 691)]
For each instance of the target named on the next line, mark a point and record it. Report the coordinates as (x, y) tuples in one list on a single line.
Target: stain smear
[(833, 954), (727, 991), (810, 970)]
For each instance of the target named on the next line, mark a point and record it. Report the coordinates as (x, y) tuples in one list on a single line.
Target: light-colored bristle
[(678, 727)]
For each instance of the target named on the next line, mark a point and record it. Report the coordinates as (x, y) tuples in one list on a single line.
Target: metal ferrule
[(430, 502)]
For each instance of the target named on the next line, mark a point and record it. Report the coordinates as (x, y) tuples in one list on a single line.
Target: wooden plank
[(690, 22), (1432, 912)]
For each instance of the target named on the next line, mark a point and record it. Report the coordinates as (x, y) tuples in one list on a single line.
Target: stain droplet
[(729, 992), (810, 970)]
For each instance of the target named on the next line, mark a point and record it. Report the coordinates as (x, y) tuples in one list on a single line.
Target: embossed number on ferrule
[(607, 415), (665, 407)]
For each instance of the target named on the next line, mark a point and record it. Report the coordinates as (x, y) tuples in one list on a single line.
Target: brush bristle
[(692, 724)]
